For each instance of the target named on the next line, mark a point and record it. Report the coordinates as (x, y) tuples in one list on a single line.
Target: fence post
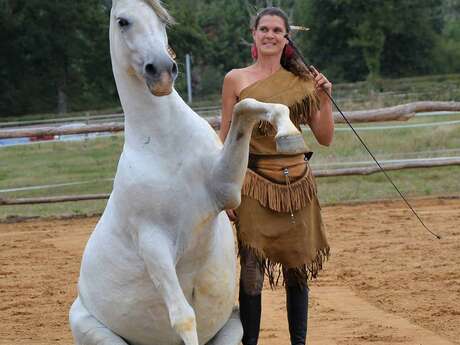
[(188, 69)]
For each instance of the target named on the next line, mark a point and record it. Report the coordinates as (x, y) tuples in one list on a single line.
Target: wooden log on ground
[(402, 112), (51, 199), (398, 113), (411, 164), (422, 163), (61, 130)]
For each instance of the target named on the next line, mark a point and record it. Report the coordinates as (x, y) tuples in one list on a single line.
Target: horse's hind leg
[(231, 333), (87, 330)]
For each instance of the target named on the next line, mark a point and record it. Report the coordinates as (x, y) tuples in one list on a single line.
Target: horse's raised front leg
[(156, 251), (231, 333), (230, 167), (87, 330)]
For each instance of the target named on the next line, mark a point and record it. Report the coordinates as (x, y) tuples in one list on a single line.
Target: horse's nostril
[(174, 70), (150, 69)]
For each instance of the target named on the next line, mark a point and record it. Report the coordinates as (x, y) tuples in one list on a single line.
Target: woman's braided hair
[(295, 62)]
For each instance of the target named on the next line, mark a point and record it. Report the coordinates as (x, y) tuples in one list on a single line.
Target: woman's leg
[(251, 283), (297, 307)]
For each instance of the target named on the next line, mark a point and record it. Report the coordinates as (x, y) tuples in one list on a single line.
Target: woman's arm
[(229, 99), (322, 122)]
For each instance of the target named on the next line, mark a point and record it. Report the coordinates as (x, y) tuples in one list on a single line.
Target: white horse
[(160, 266)]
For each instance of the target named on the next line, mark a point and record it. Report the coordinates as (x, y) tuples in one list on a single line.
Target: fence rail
[(403, 164), (398, 113), (61, 130), (407, 164), (51, 199), (87, 118)]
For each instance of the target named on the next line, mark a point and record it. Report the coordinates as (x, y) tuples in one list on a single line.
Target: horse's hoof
[(291, 144)]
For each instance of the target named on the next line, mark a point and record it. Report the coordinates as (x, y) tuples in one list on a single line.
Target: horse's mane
[(161, 11)]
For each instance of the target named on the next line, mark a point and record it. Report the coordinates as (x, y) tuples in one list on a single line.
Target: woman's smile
[(269, 36)]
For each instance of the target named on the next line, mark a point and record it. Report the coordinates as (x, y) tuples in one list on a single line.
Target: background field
[(91, 165), (88, 167)]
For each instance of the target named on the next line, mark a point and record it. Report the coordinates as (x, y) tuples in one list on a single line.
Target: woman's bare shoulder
[(239, 78), (238, 74)]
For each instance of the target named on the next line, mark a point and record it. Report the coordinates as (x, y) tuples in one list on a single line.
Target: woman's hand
[(322, 121), (321, 82), (232, 215)]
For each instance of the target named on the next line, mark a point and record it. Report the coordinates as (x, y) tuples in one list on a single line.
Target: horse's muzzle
[(160, 77), (161, 86)]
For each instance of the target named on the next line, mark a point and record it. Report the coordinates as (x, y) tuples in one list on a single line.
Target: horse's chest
[(160, 185)]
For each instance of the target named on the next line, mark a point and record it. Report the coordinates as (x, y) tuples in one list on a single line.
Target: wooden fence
[(397, 113)]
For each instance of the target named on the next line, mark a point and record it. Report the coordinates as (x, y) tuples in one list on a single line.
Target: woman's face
[(269, 35)]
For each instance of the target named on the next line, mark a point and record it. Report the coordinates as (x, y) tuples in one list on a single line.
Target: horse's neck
[(151, 120)]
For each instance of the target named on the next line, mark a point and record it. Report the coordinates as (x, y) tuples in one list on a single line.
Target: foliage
[(410, 44), (448, 49), (369, 38), (51, 51), (54, 55)]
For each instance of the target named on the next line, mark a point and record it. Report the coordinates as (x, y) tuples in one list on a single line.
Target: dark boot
[(250, 310), (297, 311)]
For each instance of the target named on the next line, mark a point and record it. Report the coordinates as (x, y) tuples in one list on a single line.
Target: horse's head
[(139, 45)]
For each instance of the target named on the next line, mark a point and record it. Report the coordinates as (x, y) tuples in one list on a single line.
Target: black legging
[(252, 274), (251, 284)]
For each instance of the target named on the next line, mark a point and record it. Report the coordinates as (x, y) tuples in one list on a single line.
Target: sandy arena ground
[(388, 281)]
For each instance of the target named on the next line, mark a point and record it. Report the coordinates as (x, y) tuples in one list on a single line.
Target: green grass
[(95, 161), (412, 183), (59, 162), (65, 209), (54, 163), (390, 144)]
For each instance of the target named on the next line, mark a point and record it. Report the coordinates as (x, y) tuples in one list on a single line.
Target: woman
[(279, 220)]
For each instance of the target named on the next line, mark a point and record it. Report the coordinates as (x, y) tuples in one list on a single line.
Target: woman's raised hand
[(321, 82)]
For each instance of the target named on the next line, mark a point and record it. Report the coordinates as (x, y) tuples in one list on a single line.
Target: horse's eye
[(122, 22)]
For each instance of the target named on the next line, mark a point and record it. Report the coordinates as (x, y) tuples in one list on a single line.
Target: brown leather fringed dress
[(279, 218)]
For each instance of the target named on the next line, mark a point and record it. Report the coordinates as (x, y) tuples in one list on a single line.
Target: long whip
[(312, 71)]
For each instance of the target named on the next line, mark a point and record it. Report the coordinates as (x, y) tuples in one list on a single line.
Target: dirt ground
[(388, 281)]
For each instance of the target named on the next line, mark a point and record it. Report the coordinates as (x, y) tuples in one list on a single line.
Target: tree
[(54, 55), (10, 57), (58, 46), (327, 44), (448, 50), (358, 39), (369, 32), (410, 43)]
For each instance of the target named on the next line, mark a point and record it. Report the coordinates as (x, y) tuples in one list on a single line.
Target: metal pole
[(189, 77)]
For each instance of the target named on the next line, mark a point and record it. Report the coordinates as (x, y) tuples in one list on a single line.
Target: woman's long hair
[(294, 63)]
